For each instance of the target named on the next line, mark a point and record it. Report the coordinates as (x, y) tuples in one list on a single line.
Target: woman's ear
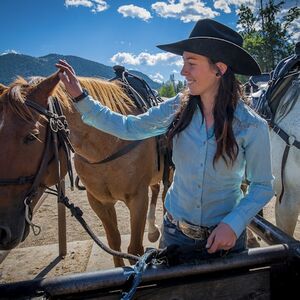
[(222, 68)]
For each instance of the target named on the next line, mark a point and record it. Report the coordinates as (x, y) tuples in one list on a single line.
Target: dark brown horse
[(22, 132)]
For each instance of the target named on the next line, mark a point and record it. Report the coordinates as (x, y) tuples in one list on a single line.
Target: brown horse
[(22, 135), (126, 178)]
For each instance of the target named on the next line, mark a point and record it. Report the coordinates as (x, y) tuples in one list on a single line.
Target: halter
[(58, 132)]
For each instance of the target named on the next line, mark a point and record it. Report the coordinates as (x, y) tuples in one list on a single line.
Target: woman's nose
[(183, 71)]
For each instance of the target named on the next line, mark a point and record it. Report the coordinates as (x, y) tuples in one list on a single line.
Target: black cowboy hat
[(218, 42)]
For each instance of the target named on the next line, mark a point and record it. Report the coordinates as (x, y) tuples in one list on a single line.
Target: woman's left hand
[(221, 238)]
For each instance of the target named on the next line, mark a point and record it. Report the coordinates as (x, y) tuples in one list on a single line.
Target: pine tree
[(271, 43)]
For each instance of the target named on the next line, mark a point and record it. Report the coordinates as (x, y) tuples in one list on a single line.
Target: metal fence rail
[(270, 270)]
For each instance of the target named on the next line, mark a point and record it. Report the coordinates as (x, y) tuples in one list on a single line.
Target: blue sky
[(110, 32)]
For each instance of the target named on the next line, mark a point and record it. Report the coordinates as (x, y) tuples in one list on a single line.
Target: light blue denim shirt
[(201, 194)]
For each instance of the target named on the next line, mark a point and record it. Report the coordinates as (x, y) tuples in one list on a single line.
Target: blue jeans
[(171, 235)]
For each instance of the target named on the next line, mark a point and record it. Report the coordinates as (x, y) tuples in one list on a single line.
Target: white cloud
[(134, 12), (9, 51), (100, 6), (185, 10), (77, 3), (178, 62), (95, 5), (157, 77), (143, 58), (224, 5)]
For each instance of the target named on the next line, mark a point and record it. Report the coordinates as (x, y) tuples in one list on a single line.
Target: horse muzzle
[(9, 239)]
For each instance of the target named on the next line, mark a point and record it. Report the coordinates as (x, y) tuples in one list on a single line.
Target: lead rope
[(136, 275), (77, 213)]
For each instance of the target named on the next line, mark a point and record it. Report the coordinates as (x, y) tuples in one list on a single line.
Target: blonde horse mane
[(14, 97), (108, 93)]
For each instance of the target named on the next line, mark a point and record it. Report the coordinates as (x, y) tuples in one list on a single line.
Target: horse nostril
[(5, 235)]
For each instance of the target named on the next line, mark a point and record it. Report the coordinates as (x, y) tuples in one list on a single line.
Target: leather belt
[(192, 231)]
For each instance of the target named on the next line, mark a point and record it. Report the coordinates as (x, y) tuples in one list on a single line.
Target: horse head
[(23, 135)]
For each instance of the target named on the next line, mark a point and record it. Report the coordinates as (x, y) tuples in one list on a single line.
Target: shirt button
[(201, 165), (198, 206), (204, 143), (199, 186)]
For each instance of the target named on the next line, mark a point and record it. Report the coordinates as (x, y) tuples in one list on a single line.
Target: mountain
[(13, 65)]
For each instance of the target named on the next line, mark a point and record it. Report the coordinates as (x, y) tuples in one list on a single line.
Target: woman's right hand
[(68, 77), (221, 238)]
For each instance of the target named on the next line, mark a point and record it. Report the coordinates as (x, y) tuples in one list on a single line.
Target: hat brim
[(240, 61)]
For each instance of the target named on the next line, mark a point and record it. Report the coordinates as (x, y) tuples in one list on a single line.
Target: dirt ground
[(46, 217)]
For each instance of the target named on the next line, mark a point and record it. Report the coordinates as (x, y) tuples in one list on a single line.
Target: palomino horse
[(280, 105), (126, 178)]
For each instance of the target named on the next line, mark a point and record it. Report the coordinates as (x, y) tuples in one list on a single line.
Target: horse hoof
[(153, 236)]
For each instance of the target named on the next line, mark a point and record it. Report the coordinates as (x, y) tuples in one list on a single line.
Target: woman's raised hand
[(68, 77)]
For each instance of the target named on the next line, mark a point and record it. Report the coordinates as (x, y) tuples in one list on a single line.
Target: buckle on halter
[(291, 140)]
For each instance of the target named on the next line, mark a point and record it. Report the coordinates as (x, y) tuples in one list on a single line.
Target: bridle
[(57, 133)]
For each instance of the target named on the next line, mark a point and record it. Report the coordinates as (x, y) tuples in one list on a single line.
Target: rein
[(124, 150)]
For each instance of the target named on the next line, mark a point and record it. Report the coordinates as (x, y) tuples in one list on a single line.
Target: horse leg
[(153, 231), (286, 213), (163, 196), (107, 214), (138, 211)]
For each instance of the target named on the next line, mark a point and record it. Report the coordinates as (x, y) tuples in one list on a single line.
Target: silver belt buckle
[(193, 231)]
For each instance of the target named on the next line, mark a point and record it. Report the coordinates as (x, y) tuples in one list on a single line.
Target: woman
[(216, 139)]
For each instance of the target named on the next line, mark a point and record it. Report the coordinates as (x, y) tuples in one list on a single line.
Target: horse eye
[(31, 137)]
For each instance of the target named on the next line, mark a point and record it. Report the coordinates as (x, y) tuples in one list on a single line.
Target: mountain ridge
[(13, 65)]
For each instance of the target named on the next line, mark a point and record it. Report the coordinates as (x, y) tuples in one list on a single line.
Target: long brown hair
[(225, 104)]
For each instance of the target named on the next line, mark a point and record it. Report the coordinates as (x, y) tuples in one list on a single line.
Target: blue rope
[(137, 272)]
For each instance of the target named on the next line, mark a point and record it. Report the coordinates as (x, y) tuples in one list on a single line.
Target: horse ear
[(44, 89), (2, 88)]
